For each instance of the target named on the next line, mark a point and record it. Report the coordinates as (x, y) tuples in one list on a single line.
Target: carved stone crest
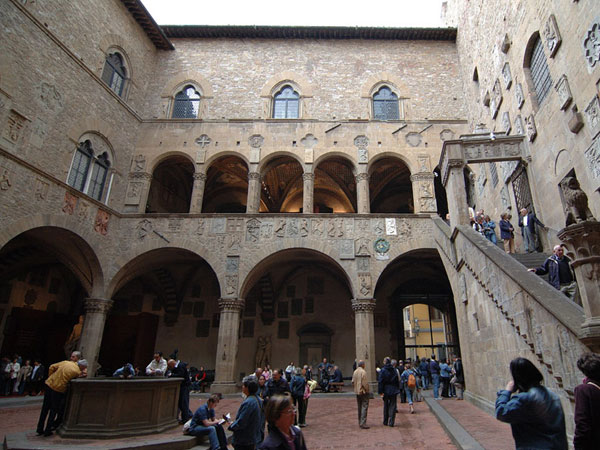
[(41, 189), (304, 227), (496, 100), (143, 228), (531, 128), (446, 135), (232, 264), (138, 163), (519, 96), (591, 45), (414, 139), (592, 114), (101, 222), (592, 155), (203, 141), (70, 204), (381, 247), (200, 227), (256, 141), (361, 246), (234, 244), (14, 127), (362, 264), (4, 179), (361, 142), (309, 141), (564, 92), (317, 227), (346, 249), (253, 230), (507, 76), (231, 284), (390, 226), (363, 156), (506, 122), (50, 97), (365, 283), (552, 35), (519, 128)]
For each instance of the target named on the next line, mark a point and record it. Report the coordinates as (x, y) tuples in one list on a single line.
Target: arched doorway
[(45, 275), (300, 300), (164, 300), (415, 294), (226, 189), (390, 188), (171, 186)]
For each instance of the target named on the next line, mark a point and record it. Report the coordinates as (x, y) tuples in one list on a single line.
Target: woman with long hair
[(534, 413)]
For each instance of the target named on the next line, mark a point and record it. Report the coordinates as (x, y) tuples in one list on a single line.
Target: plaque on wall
[(283, 330)]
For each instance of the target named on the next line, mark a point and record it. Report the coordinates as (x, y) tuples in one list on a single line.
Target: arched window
[(286, 103), (114, 73), (385, 105), (186, 104), (89, 172), (540, 75)]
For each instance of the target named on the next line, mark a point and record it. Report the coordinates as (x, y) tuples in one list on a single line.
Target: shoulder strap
[(593, 384)]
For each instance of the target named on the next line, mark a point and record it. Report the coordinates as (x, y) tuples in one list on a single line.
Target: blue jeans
[(201, 430), (424, 382), (436, 384), (409, 395)]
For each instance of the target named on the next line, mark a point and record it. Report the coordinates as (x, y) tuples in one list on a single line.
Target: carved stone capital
[(362, 177), (97, 305), (231, 304), (308, 176), (200, 176), (363, 305), (253, 176)]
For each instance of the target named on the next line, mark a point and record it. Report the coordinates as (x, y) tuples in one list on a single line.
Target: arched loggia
[(390, 188), (171, 186)]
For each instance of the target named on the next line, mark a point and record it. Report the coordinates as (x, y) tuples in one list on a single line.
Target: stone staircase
[(531, 260)]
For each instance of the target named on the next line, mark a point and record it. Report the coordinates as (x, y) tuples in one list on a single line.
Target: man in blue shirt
[(127, 371), (205, 423), (434, 370), (249, 421)]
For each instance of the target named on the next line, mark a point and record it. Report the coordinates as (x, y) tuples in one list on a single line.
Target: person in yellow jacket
[(361, 389), (59, 376)]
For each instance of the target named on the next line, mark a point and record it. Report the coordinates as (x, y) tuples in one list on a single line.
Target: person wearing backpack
[(298, 388), (410, 381)]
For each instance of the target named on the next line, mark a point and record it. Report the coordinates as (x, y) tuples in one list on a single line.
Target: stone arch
[(94, 126), (154, 163), (266, 160), (389, 154), (226, 185), (335, 184), (376, 81), (126, 261), (190, 77), (250, 270), (282, 185), (330, 154), (287, 77), (120, 44), (82, 259), (171, 185), (390, 185), (212, 158)]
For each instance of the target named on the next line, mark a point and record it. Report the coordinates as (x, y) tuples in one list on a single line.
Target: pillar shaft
[(96, 310), (227, 347), (365, 334), (308, 193), (362, 194), (253, 202), (457, 195), (198, 192)]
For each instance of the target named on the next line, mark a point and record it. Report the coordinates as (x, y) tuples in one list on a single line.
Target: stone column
[(583, 242), (198, 192), (363, 203), (96, 310), (308, 193), (253, 202), (456, 193), (423, 192), (227, 347), (365, 334)]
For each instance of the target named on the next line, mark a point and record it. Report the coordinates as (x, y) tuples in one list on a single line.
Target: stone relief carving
[(143, 228), (292, 227), (256, 141), (365, 283), (361, 246), (378, 227), (317, 227), (531, 128), (506, 122), (5, 179), (591, 45), (349, 226), (138, 163), (218, 225), (592, 114), (309, 141), (446, 135), (362, 264), (266, 230), (424, 164), (507, 76), (304, 227), (519, 96), (496, 100), (101, 222), (592, 155), (231, 284), (427, 205), (426, 188), (83, 211), (232, 264), (14, 127), (576, 202), (414, 139), (404, 229), (70, 204), (200, 226), (134, 193), (564, 92), (390, 227), (203, 140), (41, 189), (253, 230), (519, 128), (335, 227), (280, 228), (235, 225), (346, 249), (381, 247), (363, 156), (552, 35), (505, 45), (361, 141), (50, 97), (39, 130), (362, 225)]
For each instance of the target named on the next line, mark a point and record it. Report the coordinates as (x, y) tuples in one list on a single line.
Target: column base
[(224, 387), (590, 333)]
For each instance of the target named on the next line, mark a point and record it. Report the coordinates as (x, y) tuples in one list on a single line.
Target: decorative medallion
[(381, 247)]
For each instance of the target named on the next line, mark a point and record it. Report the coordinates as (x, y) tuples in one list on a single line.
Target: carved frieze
[(552, 35), (507, 76), (363, 305), (14, 127), (564, 92), (101, 222), (505, 45), (506, 122), (381, 247), (292, 227), (531, 128), (519, 96), (378, 226), (266, 230), (591, 45), (592, 114), (49, 97), (335, 227), (235, 225), (592, 155), (424, 162), (70, 204)]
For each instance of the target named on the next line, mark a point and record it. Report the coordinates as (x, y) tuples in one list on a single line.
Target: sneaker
[(365, 427)]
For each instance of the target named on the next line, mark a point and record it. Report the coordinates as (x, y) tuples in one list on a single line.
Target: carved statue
[(74, 338), (263, 351), (576, 200)]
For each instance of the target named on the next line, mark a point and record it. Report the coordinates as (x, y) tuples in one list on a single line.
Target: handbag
[(306, 391)]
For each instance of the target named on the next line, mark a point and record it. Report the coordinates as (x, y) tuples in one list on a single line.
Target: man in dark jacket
[(424, 370), (249, 421), (558, 266), (178, 369), (434, 370), (277, 385), (389, 387), (527, 222)]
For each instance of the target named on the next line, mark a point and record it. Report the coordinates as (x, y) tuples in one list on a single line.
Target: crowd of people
[(18, 377)]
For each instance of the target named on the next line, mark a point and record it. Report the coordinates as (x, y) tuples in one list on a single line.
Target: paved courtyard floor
[(333, 424)]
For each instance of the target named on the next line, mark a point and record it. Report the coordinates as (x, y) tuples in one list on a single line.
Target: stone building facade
[(242, 193)]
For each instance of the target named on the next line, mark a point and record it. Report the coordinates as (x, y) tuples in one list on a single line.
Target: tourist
[(290, 370), (204, 423), (399, 368), (459, 377), (59, 376), (298, 389), (424, 370), (388, 388), (409, 379), (280, 413), (249, 421), (527, 222), (262, 387), (489, 229), (127, 371), (507, 233), (267, 372), (587, 404), (157, 367), (534, 413), (199, 380), (177, 369), (361, 389), (24, 373), (445, 377), (560, 273), (277, 385), (36, 379), (434, 370)]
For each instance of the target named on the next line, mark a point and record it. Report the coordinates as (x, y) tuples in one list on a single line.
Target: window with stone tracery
[(540, 74), (186, 103), (115, 73), (89, 170), (286, 103), (385, 105)]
